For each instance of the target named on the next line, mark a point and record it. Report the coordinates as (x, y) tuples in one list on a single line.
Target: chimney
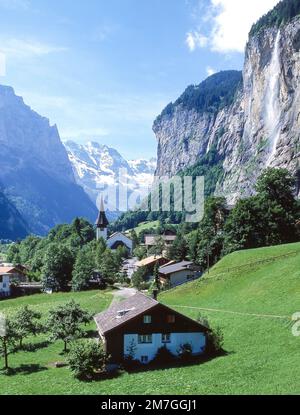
[(154, 294)]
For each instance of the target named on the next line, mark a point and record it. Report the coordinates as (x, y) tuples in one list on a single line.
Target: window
[(147, 319), (171, 318), (4, 285), (144, 359), (145, 339), (166, 338)]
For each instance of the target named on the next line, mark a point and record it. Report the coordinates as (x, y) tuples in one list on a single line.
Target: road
[(123, 293)]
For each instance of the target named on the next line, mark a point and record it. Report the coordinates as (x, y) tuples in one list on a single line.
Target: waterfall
[(272, 104)]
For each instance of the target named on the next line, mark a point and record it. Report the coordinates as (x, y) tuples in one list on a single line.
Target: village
[(95, 306), (136, 328)]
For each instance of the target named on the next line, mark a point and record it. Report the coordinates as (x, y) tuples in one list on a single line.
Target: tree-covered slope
[(282, 13), (211, 95), (12, 225)]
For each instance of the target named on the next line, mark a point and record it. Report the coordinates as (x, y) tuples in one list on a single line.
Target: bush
[(86, 359), (185, 352), (163, 356), (215, 341)]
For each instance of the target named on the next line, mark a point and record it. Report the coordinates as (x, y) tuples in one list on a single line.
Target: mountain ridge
[(36, 174), (97, 166)]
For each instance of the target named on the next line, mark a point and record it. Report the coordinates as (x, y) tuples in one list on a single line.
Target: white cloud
[(21, 48), (195, 40), (82, 133), (230, 22), (210, 71)]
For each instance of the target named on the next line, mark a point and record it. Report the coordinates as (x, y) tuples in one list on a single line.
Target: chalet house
[(168, 237), (4, 285), (140, 325), (175, 274), (151, 261), (17, 273)]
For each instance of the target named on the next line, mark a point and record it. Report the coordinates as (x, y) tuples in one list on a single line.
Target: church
[(115, 240)]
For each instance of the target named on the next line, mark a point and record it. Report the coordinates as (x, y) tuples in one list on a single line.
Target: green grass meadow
[(251, 295)]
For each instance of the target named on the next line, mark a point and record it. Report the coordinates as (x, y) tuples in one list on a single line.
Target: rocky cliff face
[(260, 128), (35, 172), (12, 225)]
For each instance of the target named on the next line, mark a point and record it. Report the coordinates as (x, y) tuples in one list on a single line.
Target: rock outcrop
[(259, 128), (12, 225)]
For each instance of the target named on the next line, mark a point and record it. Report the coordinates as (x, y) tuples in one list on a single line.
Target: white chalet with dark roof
[(144, 325)]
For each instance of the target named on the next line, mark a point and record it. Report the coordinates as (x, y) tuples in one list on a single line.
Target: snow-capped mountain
[(99, 168)]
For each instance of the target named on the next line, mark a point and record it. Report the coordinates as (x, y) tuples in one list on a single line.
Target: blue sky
[(103, 70)]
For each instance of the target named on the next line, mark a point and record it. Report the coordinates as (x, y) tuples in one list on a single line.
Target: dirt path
[(232, 312)]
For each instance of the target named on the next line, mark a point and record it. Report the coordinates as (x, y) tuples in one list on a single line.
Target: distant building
[(9, 274), (174, 274), (16, 273), (168, 237), (139, 326), (5, 285), (151, 261), (117, 239)]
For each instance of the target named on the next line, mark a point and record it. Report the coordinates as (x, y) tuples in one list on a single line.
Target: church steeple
[(102, 222)]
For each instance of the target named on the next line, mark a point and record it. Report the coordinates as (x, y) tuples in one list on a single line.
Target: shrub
[(215, 341), (185, 352), (163, 356), (214, 338), (86, 359)]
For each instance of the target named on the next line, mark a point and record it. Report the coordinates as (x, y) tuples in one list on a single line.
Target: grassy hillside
[(144, 226), (251, 295), (34, 373)]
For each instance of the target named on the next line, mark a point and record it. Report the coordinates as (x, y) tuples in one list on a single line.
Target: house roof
[(180, 266), (8, 270), (150, 260), (168, 264), (123, 311), (119, 233), (151, 239)]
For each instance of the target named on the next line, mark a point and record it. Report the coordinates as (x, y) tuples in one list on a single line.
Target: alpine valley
[(44, 183)]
